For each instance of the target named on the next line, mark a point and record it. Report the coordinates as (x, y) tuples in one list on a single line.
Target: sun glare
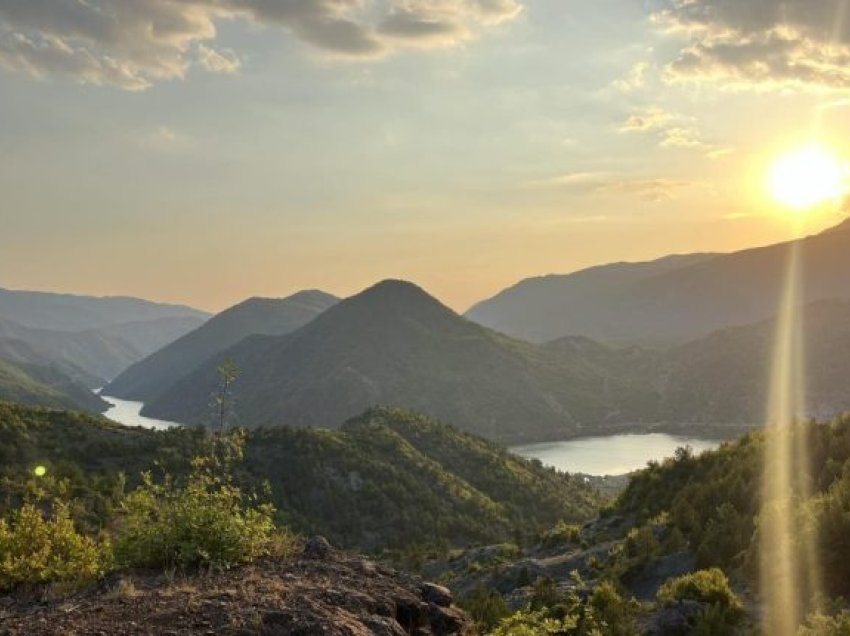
[(805, 178)]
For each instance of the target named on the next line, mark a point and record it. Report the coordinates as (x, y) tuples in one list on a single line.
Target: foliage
[(390, 480), (534, 623), (39, 548), (704, 586), (486, 607), (819, 624), (562, 533), (207, 521)]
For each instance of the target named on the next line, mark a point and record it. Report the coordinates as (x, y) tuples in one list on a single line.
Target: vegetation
[(389, 480), (44, 386), (40, 548), (206, 522)]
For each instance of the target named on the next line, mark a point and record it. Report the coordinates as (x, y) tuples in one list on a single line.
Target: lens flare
[(790, 572)]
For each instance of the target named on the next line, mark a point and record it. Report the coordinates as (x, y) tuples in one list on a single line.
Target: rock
[(448, 621), (317, 548), (436, 594)]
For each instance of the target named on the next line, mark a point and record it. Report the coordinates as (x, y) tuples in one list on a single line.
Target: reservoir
[(611, 455)]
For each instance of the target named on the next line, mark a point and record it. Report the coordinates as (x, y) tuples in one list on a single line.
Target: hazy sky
[(203, 151)]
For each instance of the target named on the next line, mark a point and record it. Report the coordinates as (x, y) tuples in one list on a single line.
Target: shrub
[(208, 522), (822, 625), (563, 533), (704, 586), (39, 549), (535, 623), (611, 614), (485, 607)]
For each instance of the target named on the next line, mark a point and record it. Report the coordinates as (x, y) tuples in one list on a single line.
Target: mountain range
[(55, 348), (149, 378), (669, 301), (393, 344)]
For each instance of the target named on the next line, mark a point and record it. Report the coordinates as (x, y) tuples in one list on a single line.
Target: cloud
[(132, 44), (650, 119), (606, 184), (760, 44), (655, 190), (673, 131), (635, 79)]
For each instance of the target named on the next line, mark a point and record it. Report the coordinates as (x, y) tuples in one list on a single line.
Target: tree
[(223, 400)]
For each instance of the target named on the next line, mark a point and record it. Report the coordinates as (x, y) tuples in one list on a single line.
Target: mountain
[(393, 344), (93, 356), (45, 386), (724, 377), (91, 340), (147, 379), (66, 312), (670, 301), (387, 480)]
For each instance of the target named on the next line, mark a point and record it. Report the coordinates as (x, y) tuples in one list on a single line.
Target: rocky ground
[(321, 592)]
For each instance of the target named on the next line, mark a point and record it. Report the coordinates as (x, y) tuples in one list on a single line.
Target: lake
[(611, 455), (128, 413)]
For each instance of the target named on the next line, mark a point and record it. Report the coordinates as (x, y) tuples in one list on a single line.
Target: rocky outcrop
[(322, 592)]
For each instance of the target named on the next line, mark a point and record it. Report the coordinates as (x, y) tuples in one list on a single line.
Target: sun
[(807, 177)]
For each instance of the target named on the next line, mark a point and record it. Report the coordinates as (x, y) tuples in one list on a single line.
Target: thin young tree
[(223, 401)]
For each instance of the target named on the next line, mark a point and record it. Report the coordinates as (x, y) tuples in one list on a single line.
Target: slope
[(147, 379), (388, 480), (395, 345), (669, 301)]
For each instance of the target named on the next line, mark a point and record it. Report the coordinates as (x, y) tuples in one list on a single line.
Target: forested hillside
[(388, 480)]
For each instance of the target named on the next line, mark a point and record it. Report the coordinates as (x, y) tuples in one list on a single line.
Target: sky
[(205, 151)]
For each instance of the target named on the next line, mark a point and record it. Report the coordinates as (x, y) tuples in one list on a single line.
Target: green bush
[(822, 625), (35, 548), (705, 586), (535, 623), (208, 522), (563, 533), (486, 607), (610, 614)]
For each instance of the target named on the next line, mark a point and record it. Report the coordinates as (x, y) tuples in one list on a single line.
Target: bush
[(35, 549), (822, 625), (563, 533), (535, 623), (611, 614), (208, 522), (485, 607), (704, 586)]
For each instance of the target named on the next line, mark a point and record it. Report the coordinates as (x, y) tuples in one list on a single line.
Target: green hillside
[(45, 386), (388, 480)]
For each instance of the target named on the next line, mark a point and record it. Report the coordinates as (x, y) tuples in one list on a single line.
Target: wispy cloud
[(609, 184), (135, 43), (673, 131), (647, 120)]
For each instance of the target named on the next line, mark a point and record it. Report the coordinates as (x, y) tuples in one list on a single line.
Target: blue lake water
[(611, 455)]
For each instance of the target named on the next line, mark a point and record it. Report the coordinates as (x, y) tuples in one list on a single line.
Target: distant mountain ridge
[(148, 378), (395, 345), (670, 301), (68, 312)]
